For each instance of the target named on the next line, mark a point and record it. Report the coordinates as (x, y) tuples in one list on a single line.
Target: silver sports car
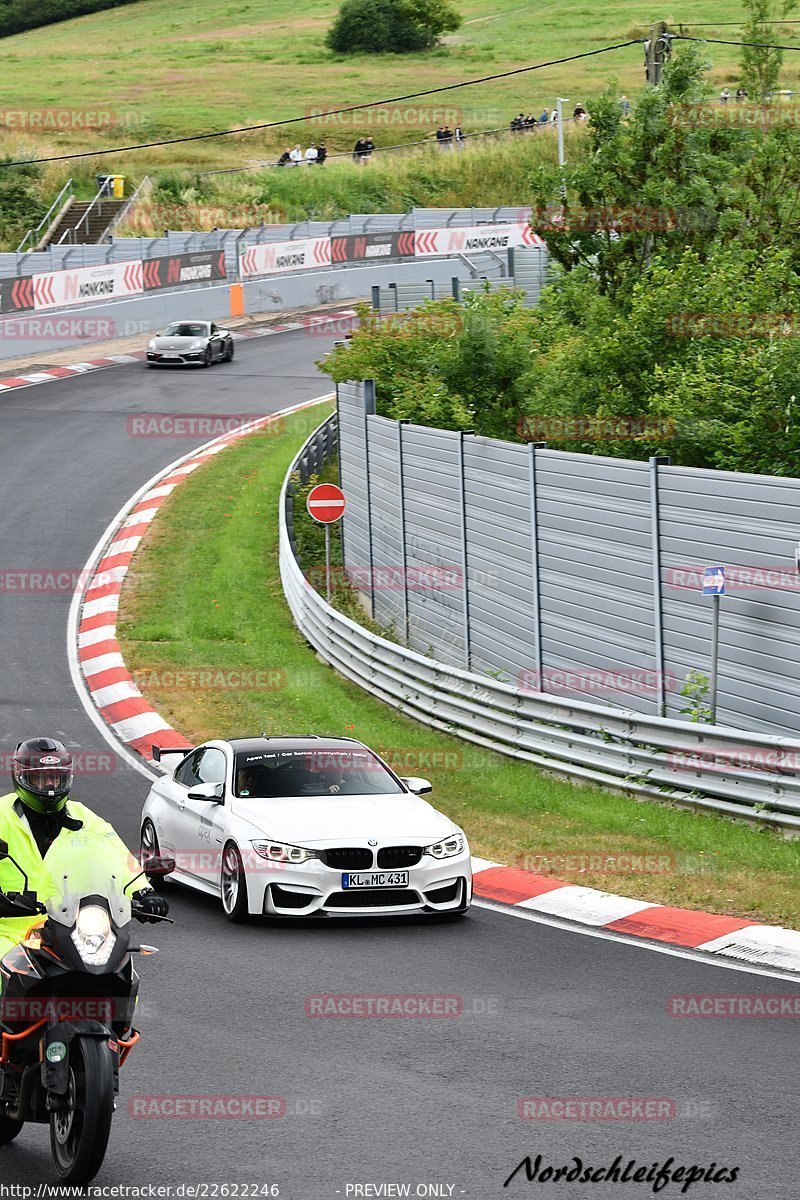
[(190, 343)]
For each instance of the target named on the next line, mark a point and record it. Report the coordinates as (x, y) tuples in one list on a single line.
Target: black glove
[(151, 906)]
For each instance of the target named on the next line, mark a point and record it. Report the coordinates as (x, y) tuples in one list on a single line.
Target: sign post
[(714, 586), (326, 504)]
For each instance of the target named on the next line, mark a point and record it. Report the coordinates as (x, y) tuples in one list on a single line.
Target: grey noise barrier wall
[(575, 574), (723, 769)]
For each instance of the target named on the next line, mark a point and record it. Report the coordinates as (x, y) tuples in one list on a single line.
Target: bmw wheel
[(233, 885), (150, 849)]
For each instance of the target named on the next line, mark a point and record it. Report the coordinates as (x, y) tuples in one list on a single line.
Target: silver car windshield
[(318, 772), (180, 329)]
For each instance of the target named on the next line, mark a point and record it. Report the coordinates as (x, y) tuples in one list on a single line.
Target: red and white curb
[(14, 382), (733, 937), (123, 710), (110, 685)]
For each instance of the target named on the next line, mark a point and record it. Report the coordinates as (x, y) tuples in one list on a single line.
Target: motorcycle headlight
[(92, 935), (282, 852), (447, 848)]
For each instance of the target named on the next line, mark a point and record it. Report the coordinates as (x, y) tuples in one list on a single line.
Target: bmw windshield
[(319, 772)]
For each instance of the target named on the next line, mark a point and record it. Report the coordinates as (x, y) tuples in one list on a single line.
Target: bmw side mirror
[(208, 791), (158, 868), (420, 787)]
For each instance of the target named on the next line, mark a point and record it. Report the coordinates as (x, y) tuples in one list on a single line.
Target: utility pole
[(560, 101), (657, 49)]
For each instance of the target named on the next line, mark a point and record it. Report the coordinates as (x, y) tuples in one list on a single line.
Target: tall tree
[(761, 67)]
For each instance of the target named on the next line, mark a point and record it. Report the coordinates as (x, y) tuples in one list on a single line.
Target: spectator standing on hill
[(544, 118), (724, 96), (447, 138), (554, 117), (579, 113), (360, 151), (741, 94), (369, 148), (439, 136), (322, 154), (284, 158), (458, 138), (311, 154), (625, 105), (296, 155)]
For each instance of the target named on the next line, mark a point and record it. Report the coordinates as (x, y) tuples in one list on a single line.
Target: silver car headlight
[(448, 847), (197, 345), (92, 935), (282, 852), (152, 344)]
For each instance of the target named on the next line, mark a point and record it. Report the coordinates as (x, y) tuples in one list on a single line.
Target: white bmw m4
[(304, 826)]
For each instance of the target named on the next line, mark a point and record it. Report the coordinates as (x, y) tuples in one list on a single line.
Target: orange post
[(237, 300)]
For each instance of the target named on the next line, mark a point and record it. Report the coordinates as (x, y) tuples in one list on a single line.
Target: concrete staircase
[(76, 231)]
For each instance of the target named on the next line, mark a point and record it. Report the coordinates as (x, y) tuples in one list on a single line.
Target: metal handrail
[(123, 212), (32, 234), (100, 196), (655, 757)]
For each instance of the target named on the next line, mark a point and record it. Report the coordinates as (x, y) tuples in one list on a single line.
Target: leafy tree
[(390, 26), (17, 15), (761, 67)]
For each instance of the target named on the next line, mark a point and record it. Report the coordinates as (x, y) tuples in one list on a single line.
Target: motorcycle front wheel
[(79, 1131)]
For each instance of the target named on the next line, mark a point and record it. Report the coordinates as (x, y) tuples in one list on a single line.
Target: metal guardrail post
[(403, 547), (535, 589), (655, 553), (462, 496), (369, 410)]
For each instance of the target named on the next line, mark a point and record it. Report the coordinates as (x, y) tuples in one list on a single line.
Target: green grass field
[(171, 67), (205, 593)]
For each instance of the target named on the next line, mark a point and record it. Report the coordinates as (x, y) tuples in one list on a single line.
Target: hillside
[(161, 68)]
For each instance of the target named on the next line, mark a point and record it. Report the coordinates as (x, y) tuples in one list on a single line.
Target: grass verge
[(205, 596)]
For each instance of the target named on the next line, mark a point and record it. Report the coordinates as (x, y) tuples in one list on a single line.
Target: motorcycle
[(69, 993)]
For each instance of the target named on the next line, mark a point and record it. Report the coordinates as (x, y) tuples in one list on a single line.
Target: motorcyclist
[(35, 814)]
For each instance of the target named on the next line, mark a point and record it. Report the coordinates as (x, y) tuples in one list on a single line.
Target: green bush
[(390, 26)]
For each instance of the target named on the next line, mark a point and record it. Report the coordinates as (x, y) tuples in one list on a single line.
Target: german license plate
[(374, 879), (170, 354)]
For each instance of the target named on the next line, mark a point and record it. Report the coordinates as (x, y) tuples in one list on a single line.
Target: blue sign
[(714, 581)]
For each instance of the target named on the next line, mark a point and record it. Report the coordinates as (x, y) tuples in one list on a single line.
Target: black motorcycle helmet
[(41, 770)]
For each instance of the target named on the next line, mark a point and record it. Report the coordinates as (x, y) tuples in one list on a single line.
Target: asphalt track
[(548, 1012)]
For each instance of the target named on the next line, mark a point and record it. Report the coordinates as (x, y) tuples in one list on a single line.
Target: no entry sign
[(326, 503)]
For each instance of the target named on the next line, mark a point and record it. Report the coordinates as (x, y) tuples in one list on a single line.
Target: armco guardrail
[(666, 760)]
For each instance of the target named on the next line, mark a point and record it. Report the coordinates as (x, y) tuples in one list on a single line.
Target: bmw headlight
[(449, 847), (282, 852), (92, 935)]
